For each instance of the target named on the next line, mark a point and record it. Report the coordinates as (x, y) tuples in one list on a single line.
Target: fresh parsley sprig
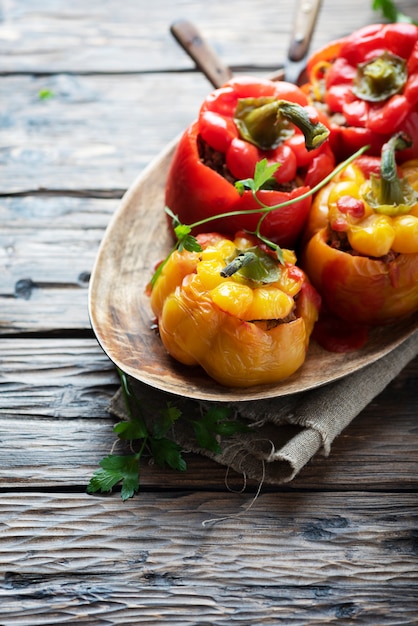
[(391, 12), (263, 176), (208, 427)]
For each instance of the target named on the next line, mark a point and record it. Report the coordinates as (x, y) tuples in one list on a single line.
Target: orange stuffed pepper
[(361, 240)]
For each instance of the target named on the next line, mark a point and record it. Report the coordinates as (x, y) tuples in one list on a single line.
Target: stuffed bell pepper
[(361, 240), (240, 124), (235, 310), (367, 86)]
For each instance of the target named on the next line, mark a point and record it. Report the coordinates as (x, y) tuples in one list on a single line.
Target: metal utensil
[(303, 28), (208, 62)]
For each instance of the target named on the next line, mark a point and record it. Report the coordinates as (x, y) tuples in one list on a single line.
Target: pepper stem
[(380, 78), (267, 122), (242, 259), (315, 133), (389, 194), (391, 188)]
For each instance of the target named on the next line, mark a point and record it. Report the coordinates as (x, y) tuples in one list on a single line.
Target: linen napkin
[(288, 431)]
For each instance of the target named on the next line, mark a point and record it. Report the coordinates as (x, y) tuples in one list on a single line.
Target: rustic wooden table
[(90, 93)]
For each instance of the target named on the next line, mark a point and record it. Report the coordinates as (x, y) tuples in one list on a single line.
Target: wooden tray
[(121, 317)]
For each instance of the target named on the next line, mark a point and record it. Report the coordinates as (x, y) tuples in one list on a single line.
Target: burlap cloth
[(287, 432)]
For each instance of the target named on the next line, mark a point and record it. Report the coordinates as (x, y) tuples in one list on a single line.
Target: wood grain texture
[(48, 245), (99, 534), (77, 556), (108, 38), (338, 545), (95, 133), (151, 599), (55, 378)]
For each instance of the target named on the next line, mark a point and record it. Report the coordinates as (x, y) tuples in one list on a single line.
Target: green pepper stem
[(380, 78), (242, 259), (391, 188), (315, 133), (264, 122)]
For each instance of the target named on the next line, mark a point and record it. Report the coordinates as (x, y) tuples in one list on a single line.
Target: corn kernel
[(373, 236), (406, 234), (337, 219), (410, 171), (414, 210), (269, 303), (343, 188), (222, 250), (242, 242), (209, 272), (353, 174), (232, 297), (290, 280), (289, 256)]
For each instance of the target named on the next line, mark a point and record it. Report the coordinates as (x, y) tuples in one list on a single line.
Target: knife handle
[(202, 54), (306, 16)]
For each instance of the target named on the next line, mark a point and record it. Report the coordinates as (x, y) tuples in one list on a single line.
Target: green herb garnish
[(45, 94), (390, 11), (208, 427), (262, 179)]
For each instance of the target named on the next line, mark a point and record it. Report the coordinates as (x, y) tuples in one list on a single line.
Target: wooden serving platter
[(136, 239)]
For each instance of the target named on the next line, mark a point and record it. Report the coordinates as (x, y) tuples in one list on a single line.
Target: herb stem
[(267, 209)]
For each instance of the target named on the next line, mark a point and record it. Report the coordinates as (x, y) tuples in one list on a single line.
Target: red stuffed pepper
[(240, 124), (367, 85), (362, 240)]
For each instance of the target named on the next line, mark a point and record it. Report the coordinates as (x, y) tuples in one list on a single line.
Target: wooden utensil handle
[(202, 54), (306, 16)]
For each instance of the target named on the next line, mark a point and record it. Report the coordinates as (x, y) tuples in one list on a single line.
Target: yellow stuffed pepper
[(235, 310)]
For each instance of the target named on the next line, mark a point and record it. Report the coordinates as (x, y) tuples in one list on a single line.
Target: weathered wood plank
[(54, 212), (55, 427), (47, 250), (115, 37), (95, 133), (147, 598), (45, 454), (45, 309), (55, 378), (58, 258), (292, 539)]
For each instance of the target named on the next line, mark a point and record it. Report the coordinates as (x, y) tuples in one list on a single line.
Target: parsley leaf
[(165, 420), (185, 239), (167, 452), (182, 231), (263, 177), (164, 450), (253, 264), (45, 94), (263, 173), (190, 244), (130, 430), (216, 422), (113, 469), (391, 12)]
